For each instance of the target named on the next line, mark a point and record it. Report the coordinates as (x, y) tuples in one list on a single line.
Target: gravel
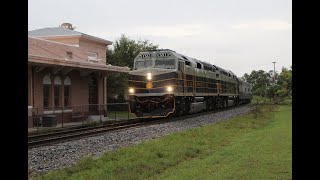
[(47, 158)]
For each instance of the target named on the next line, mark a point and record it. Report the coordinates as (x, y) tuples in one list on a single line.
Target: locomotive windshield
[(143, 64), (165, 63), (159, 63)]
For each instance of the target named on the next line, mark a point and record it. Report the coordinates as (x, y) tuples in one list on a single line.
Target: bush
[(276, 100), (285, 101), (260, 100)]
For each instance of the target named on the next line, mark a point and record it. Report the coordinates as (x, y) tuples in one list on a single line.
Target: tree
[(285, 82), (125, 50), (123, 53), (260, 80), (264, 85)]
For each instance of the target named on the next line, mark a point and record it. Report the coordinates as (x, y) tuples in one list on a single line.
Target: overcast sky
[(239, 35)]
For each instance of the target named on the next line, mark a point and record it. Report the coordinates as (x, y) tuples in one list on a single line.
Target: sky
[(238, 35)]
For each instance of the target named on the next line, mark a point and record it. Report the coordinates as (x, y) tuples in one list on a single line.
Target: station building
[(66, 70)]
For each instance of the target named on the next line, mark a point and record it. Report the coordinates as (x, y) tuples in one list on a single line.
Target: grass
[(253, 146)]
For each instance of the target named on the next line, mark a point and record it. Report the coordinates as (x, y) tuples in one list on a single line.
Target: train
[(166, 83)]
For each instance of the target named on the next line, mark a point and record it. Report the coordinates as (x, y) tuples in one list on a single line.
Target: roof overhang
[(85, 36), (33, 59)]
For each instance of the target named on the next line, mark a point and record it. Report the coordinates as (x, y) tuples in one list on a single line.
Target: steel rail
[(51, 138)]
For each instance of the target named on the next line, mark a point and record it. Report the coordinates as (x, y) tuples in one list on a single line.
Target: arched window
[(57, 90), (46, 82), (67, 85)]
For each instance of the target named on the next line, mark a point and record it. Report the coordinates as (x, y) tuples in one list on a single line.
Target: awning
[(39, 60)]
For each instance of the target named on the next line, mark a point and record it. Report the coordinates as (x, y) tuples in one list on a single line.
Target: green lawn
[(253, 146)]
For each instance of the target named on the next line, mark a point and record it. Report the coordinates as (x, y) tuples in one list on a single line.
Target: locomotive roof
[(232, 73), (221, 69), (193, 60)]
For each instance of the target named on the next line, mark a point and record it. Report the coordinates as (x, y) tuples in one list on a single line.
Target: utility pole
[(274, 71), (274, 78)]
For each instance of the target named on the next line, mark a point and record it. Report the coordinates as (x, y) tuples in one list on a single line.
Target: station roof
[(48, 53), (61, 31), (45, 61)]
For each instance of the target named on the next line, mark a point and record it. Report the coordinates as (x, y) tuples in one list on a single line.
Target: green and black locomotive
[(164, 82)]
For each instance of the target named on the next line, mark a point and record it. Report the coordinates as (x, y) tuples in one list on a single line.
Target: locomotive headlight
[(131, 90), (169, 89), (149, 76)]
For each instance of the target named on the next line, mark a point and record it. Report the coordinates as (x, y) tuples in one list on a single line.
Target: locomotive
[(164, 83)]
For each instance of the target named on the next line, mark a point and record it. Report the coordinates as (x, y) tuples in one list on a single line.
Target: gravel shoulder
[(47, 158)]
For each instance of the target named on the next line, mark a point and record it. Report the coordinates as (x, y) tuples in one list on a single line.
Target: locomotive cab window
[(143, 64), (165, 64)]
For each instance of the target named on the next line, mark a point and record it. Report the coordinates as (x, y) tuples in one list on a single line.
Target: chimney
[(67, 26)]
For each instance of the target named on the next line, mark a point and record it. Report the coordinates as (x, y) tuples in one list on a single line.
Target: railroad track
[(61, 136)]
